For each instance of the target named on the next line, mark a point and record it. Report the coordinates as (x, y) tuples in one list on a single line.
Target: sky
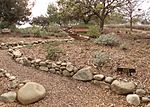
[(40, 7)]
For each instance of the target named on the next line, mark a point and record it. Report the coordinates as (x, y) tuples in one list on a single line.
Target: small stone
[(14, 84), (75, 69), (12, 78), (17, 53), (37, 60), (7, 75), (133, 99), (69, 67), (8, 97), (21, 42), (2, 70), (10, 50), (63, 64), (43, 68), (62, 67), (66, 73), (140, 92), (1, 74), (145, 99), (109, 80), (99, 77), (52, 71), (54, 65), (42, 64), (58, 63)]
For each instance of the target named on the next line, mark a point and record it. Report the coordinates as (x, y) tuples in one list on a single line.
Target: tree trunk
[(131, 22), (101, 26)]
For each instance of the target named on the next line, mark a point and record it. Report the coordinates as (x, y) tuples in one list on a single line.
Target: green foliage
[(100, 58), (4, 25), (93, 31), (15, 11), (53, 53), (108, 40), (53, 28), (40, 20)]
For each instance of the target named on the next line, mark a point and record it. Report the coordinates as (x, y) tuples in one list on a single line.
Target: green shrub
[(108, 40), (100, 58), (53, 53), (53, 28), (4, 25), (93, 31), (61, 34)]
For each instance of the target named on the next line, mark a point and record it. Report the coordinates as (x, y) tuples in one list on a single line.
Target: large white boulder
[(30, 93)]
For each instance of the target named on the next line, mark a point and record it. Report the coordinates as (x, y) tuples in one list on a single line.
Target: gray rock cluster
[(25, 92)]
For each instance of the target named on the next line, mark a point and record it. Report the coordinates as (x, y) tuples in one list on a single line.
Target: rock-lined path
[(61, 91)]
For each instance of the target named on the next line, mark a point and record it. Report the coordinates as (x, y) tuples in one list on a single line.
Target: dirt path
[(61, 91)]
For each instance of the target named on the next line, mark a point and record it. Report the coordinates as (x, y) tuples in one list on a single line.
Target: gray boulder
[(8, 97), (122, 87), (84, 74)]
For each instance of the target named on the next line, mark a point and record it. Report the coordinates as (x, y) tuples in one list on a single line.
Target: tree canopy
[(15, 11)]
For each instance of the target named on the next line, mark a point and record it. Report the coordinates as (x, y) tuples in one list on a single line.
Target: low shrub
[(108, 40), (93, 31), (41, 32), (62, 34), (100, 58), (53, 53), (53, 28)]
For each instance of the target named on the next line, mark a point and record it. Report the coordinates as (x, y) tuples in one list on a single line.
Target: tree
[(99, 8), (132, 11), (115, 18), (15, 11), (75, 11), (40, 20)]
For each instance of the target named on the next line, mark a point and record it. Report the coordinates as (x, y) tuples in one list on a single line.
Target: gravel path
[(61, 91)]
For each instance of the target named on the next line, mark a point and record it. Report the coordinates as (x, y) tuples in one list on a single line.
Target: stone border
[(21, 44), (67, 69)]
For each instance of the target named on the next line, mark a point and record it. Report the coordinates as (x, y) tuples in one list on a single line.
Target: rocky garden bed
[(84, 61)]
